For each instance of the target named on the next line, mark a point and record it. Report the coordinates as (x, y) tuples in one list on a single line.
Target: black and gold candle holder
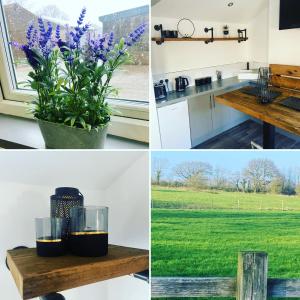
[(49, 241), (89, 231)]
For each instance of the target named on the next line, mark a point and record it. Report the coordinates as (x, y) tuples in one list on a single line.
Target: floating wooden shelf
[(38, 276), (196, 39)]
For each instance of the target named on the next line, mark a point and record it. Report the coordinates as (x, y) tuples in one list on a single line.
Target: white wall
[(258, 31), (180, 56), (127, 198), (154, 128), (284, 45), (126, 195)]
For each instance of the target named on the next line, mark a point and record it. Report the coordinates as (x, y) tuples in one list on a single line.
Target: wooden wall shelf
[(38, 276), (196, 39)]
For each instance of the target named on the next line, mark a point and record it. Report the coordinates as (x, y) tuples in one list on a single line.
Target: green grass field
[(183, 199), (205, 242)]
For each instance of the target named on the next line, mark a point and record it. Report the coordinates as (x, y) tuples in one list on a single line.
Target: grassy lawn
[(205, 242), (183, 199)]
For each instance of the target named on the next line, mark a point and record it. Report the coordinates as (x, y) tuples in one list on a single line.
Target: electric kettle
[(181, 83)]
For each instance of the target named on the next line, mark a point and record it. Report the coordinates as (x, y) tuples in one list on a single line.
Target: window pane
[(104, 16)]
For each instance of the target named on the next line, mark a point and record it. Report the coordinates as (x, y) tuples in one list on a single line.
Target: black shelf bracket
[(211, 40), (16, 248), (52, 296), (159, 28), (144, 275), (242, 35)]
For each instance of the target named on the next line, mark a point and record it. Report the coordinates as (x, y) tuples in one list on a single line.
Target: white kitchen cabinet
[(200, 111), (174, 126), (224, 117), (208, 118)]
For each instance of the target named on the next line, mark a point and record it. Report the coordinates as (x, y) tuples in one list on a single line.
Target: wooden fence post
[(252, 277)]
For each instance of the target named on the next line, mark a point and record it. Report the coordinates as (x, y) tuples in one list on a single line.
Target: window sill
[(128, 128), (26, 132)]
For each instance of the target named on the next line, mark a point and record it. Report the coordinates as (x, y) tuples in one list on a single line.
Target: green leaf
[(73, 119), (82, 122), (121, 44)]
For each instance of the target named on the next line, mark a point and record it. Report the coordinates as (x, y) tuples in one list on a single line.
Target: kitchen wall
[(172, 57), (258, 44), (196, 59), (154, 128), (126, 195), (284, 45)]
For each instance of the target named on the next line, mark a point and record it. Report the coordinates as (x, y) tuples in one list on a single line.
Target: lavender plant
[(44, 77), (72, 78)]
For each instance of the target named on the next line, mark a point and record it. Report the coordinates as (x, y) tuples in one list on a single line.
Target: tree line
[(259, 176)]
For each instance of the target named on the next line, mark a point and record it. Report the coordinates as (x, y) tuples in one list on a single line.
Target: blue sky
[(231, 160)]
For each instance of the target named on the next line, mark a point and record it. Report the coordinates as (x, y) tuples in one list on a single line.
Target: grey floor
[(240, 137)]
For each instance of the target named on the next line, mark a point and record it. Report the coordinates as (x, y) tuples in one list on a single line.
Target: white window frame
[(131, 120)]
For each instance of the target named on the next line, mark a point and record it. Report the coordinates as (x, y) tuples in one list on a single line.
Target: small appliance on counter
[(203, 81), (219, 75), (170, 34), (166, 33), (160, 90), (181, 83)]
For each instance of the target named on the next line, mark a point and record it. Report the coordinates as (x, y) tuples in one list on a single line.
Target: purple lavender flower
[(86, 27), (57, 33), (29, 32), (39, 41), (31, 56), (49, 31), (41, 26), (34, 37), (81, 17), (111, 40), (135, 36), (79, 34), (73, 38), (100, 48)]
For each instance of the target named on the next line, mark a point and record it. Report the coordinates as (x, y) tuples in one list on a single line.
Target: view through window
[(118, 16)]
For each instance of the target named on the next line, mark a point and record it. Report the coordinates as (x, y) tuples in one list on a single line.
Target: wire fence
[(219, 200)]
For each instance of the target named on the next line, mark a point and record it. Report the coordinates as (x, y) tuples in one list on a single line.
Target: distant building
[(123, 22), (18, 18)]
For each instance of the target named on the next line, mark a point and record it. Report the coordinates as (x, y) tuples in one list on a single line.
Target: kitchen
[(224, 75)]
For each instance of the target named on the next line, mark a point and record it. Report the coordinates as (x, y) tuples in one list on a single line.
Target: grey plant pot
[(60, 136)]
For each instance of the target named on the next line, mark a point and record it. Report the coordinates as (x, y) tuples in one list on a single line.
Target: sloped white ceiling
[(242, 11), (89, 169)]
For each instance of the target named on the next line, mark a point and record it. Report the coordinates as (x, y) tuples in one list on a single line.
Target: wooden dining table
[(273, 115)]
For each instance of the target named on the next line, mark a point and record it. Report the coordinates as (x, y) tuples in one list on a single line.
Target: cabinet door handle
[(210, 104), (214, 101)]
